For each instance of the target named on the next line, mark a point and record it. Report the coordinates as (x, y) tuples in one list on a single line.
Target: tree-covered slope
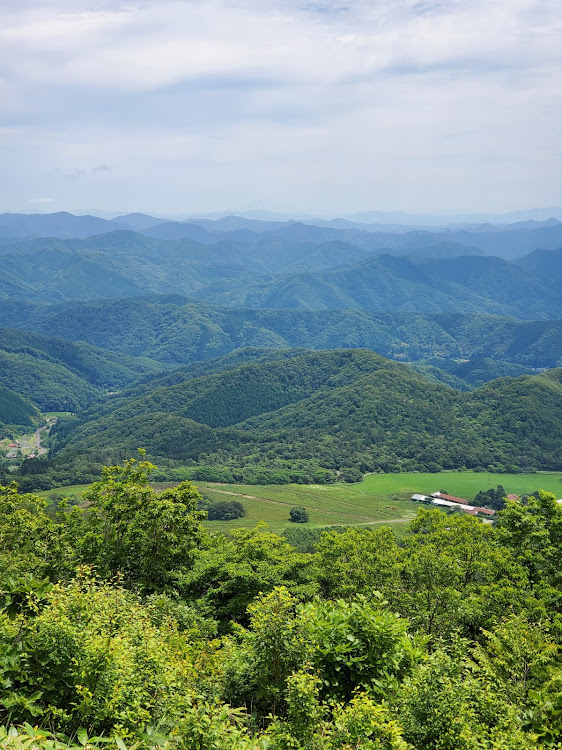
[(302, 267), (389, 283), (467, 373), (338, 408), (545, 265), (172, 330), (15, 410), (58, 375)]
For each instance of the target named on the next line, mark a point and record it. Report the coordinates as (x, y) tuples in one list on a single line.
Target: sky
[(322, 107)]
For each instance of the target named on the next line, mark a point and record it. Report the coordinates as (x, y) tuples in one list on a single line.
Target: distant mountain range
[(504, 240), (300, 267)]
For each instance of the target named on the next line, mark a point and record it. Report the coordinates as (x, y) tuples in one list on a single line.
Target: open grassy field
[(327, 505), (380, 499), (73, 493), (462, 483)]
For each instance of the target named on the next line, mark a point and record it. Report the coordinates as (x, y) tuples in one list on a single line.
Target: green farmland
[(380, 499), (461, 483), (327, 505)]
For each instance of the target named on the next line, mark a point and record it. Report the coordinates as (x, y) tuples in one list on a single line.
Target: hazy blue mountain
[(495, 279), (505, 241), (298, 266), (61, 224), (464, 284), (545, 265), (176, 230), (400, 217), (137, 222), (116, 264), (511, 243), (50, 275), (232, 223)]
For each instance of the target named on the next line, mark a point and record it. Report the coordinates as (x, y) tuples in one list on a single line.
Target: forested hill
[(388, 283), (15, 410), (333, 409), (171, 330), (58, 375)]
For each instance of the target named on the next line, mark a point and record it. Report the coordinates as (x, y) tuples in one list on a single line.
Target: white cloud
[(413, 104)]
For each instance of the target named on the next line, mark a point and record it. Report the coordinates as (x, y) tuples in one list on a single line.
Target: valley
[(291, 388), (280, 375), (377, 500)]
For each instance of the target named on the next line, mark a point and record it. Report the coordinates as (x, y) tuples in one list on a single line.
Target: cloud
[(72, 174), (412, 103)]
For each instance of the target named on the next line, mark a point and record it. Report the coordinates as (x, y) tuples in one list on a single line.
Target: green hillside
[(338, 410), (468, 373), (15, 410), (59, 375), (170, 329), (389, 283), (303, 267)]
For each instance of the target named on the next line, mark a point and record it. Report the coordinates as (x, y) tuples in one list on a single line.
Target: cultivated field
[(327, 505), (380, 499), (461, 483)]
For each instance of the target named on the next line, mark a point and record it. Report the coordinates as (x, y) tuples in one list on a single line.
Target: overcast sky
[(323, 107)]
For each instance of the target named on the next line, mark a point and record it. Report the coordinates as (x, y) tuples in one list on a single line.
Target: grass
[(72, 493), (327, 505), (380, 499), (462, 483)]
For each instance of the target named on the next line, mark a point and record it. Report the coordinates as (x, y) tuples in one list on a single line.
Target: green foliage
[(312, 725), (444, 705), (137, 532), (534, 534), (455, 573), (447, 640), (358, 645), (298, 514), (357, 561), (92, 655), (225, 510), (235, 568), (492, 498)]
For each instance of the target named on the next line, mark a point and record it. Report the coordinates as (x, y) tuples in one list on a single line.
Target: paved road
[(40, 450)]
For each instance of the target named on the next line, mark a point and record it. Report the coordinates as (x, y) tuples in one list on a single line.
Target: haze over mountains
[(195, 339), (498, 270)]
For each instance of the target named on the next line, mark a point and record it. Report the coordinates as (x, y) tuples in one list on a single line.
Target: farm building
[(471, 510), (449, 498)]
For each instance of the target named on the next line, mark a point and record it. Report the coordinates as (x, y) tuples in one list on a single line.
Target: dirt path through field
[(280, 502)]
